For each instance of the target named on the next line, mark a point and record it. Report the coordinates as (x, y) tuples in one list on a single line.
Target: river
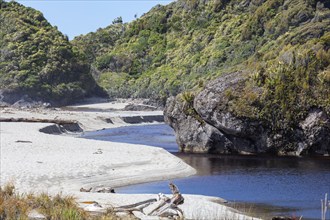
[(265, 186)]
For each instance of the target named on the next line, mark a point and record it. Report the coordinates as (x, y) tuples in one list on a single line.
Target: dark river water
[(264, 186)]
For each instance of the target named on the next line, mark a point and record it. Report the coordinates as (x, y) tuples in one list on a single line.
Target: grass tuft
[(59, 207), (12, 205)]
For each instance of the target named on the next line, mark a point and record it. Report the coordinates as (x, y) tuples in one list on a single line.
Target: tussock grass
[(12, 205), (59, 207)]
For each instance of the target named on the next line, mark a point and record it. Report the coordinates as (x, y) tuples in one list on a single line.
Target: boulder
[(316, 129), (193, 135), (208, 126)]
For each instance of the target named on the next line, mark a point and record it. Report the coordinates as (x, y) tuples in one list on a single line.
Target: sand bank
[(43, 162), (40, 162)]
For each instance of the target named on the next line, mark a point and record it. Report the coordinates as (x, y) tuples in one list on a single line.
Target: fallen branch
[(38, 120), (137, 204), (131, 210), (177, 198), (163, 200)]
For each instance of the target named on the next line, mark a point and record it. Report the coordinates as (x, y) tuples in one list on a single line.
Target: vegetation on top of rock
[(37, 60), (283, 46)]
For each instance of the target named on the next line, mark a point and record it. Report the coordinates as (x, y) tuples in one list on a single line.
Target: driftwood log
[(98, 190), (85, 190), (38, 120), (139, 206), (167, 207)]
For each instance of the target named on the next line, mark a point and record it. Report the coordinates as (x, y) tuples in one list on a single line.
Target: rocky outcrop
[(206, 125), (193, 135), (316, 130)]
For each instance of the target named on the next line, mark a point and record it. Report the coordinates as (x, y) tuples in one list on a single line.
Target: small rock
[(99, 151)]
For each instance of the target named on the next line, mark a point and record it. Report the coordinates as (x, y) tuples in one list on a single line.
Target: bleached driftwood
[(98, 190), (167, 207), (139, 206), (85, 190)]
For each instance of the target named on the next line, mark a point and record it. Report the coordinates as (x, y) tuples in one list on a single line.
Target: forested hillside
[(38, 60), (281, 46), (184, 44), (255, 74)]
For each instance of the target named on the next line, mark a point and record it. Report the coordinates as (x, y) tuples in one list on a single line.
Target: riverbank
[(41, 162)]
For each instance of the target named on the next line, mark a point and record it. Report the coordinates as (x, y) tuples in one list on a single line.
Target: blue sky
[(75, 17)]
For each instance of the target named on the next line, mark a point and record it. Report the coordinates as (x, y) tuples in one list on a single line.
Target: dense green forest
[(38, 60), (184, 44)]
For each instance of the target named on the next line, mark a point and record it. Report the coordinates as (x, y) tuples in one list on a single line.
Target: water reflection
[(252, 165)]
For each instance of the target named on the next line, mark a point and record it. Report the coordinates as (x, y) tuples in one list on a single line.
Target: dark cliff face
[(204, 123)]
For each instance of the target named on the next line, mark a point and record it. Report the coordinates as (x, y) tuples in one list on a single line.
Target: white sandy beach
[(40, 162)]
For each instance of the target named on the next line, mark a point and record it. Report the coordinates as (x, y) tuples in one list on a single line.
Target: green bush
[(38, 56)]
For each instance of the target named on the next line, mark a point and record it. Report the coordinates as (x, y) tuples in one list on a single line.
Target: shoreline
[(40, 162)]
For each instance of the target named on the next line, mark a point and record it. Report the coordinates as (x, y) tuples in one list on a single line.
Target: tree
[(118, 20)]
